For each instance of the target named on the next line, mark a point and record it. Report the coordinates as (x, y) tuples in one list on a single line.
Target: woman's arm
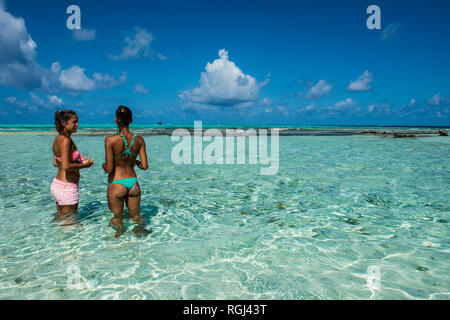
[(108, 166), (143, 156), (66, 165)]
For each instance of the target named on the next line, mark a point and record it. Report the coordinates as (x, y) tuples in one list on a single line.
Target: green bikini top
[(127, 151)]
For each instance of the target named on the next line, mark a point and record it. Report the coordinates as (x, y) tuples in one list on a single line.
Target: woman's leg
[(133, 201), (66, 214), (116, 194)]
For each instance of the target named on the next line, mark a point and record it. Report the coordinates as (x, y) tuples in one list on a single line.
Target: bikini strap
[(127, 151), (124, 140), (132, 142)]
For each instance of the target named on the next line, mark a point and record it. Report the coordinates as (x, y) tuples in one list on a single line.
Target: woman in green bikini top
[(121, 152)]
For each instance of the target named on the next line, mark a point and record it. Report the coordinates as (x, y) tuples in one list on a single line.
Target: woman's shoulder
[(139, 139), (61, 139), (112, 137)]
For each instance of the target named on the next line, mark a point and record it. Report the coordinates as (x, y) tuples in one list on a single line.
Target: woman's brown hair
[(61, 116), (123, 116)]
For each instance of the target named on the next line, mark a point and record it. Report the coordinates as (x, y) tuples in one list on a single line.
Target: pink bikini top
[(74, 157)]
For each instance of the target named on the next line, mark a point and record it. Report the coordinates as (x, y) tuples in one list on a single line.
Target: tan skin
[(68, 171), (122, 168)]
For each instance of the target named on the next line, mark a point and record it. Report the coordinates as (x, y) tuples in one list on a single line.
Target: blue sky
[(228, 62)]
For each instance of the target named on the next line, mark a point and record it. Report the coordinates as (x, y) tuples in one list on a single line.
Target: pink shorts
[(64, 193)]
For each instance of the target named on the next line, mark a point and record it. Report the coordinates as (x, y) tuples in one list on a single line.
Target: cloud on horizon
[(223, 84)]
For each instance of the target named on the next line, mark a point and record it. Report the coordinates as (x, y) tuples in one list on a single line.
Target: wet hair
[(123, 116), (61, 116)]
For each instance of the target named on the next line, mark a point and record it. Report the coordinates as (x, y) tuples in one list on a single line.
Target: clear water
[(337, 207)]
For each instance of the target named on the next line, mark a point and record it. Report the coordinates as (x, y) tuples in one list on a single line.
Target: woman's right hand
[(88, 162)]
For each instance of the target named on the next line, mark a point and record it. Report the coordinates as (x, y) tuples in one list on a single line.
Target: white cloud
[(139, 88), (84, 34), (105, 81), (362, 83), (390, 30), (320, 89), (412, 102), (18, 67), (17, 54), (55, 68), (54, 100), (345, 104), (137, 45), (437, 100), (223, 84), (266, 102), (75, 80), (35, 104)]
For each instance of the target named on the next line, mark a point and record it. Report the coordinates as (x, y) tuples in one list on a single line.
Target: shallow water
[(337, 208)]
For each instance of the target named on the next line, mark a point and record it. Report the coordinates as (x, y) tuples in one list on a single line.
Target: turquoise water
[(337, 206)]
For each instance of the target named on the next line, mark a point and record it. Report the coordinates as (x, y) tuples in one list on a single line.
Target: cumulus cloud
[(137, 45), (437, 100), (345, 104), (223, 84), (19, 69), (84, 34), (362, 83), (390, 30), (74, 79), (319, 90), (105, 81), (54, 100), (17, 54), (139, 88)]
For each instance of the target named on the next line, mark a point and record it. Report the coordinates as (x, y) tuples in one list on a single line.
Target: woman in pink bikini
[(69, 161)]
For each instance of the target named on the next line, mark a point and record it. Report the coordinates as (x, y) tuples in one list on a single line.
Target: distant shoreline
[(395, 132)]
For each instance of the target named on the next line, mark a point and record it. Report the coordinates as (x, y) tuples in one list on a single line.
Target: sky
[(227, 62)]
